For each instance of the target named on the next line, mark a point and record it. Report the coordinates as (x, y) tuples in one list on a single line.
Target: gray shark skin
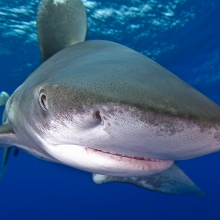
[(104, 108)]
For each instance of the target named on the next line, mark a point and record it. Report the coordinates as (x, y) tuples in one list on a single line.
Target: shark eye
[(43, 101)]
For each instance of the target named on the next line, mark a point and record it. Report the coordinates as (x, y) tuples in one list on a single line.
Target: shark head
[(104, 108), (72, 120)]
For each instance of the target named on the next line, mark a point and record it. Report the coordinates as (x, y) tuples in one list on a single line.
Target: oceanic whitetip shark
[(104, 108)]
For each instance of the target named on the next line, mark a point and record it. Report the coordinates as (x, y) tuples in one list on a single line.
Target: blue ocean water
[(181, 35)]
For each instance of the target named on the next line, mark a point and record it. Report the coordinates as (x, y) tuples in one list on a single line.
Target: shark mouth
[(126, 156), (107, 163), (134, 165)]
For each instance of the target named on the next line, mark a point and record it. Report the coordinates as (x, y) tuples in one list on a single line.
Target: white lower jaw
[(96, 161)]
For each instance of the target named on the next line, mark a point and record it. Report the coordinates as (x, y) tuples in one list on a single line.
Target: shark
[(104, 108), (4, 96)]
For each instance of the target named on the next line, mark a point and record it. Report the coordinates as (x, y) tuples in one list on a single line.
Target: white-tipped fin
[(4, 96), (172, 181), (60, 23)]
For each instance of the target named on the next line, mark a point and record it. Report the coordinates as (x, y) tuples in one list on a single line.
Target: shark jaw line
[(120, 156), (97, 161)]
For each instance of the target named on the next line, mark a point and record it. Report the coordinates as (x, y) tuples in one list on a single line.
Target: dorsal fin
[(60, 23)]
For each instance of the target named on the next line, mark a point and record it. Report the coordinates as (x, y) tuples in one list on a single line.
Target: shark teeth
[(132, 157)]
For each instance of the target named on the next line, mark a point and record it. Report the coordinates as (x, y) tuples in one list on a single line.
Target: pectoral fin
[(5, 129), (4, 162), (7, 136), (15, 152), (7, 139), (172, 181)]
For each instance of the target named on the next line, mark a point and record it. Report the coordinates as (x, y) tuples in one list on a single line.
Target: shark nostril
[(97, 115), (43, 101)]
